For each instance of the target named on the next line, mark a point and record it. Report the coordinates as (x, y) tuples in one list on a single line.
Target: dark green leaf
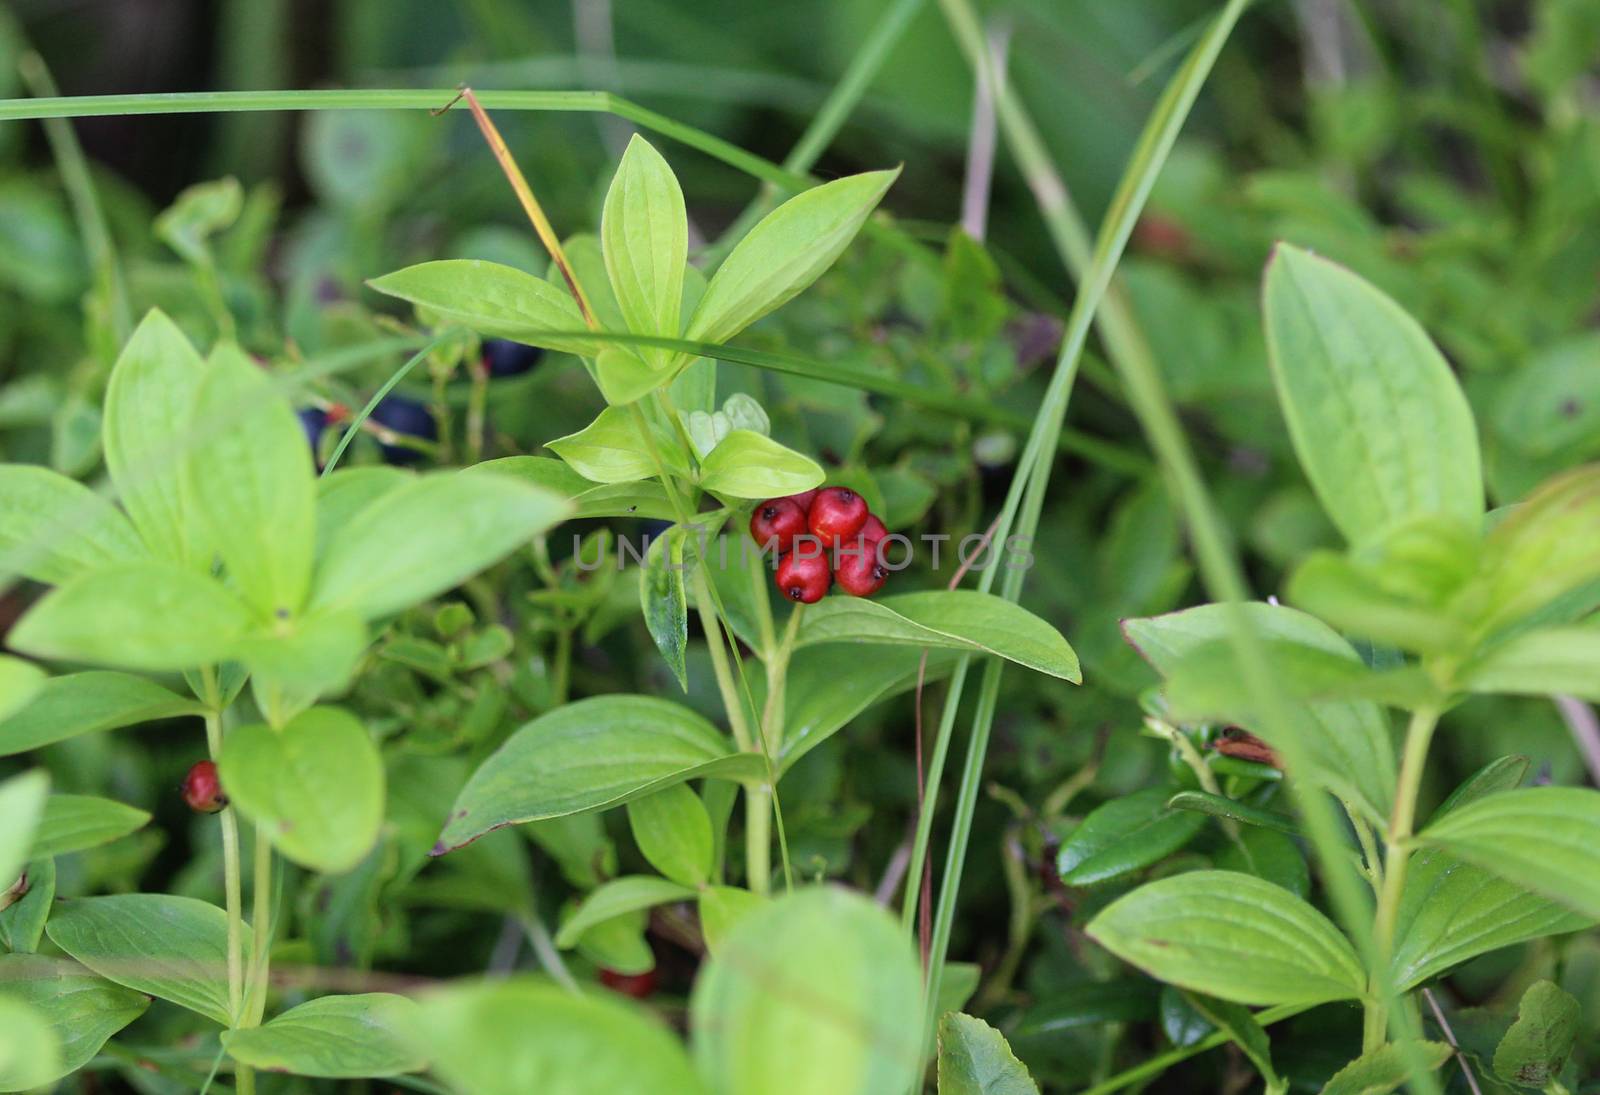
[(974, 1059), (335, 1037), (1536, 1048), (1125, 835), (71, 823)]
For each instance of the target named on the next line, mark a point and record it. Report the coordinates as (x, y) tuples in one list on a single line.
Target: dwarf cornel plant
[(541, 670)]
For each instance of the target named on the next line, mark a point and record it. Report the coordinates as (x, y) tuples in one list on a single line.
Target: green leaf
[(634, 499), (625, 377), (1231, 936), (1546, 839), (1548, 662), (974, 1059), (22, 800), (1125, 835), (665, 605), (746, 464), (251, 479), (83, 703), (1541, 550), (673, 831), (610, 450), (1500, 774), (721, 908), (30, 1051), (1536, 1048), (817, 991), (620, 896), (958, 619), (20, 682), (81, 1010), (153, 616), (71, 823), (522, 1035), (22, 922), (315, 787), (495, 300), (200, 211), (1348, 741), (1208, 684), (1243, 1030), (1268, 854), (292, 666), (830, 685), (1385, 1069), (618, 943), (172, 947), (421, 539), (784, 253), (589, 755), (345, 492), (148, 419), (1378, 420), (336, 1038), (644, 233), (1222, 806), (56, 528), (1350, 598)]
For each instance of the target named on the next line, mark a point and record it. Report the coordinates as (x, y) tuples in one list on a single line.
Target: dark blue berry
[(409, 417), (313, 420), (502, 357)]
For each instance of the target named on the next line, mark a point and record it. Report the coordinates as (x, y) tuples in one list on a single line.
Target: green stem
[(1155, 1066), (1402, 824), (261, 925), (231, 884)]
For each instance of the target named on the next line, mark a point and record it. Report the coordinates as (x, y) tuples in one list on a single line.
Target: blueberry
[(313, 420), (409, 417), (502, 357)]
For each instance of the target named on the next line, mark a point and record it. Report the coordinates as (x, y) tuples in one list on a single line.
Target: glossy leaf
[(82, 703), (1222, 806), (428, 536), (1268, 854), (1231, 936), (673, 831), (335, 1037), (1536, 1048), (589, 755), (1546, 839), (620, 896), (665, 605), (954, 619), (153, 616), (817, 991), (172, 947), (1385, 1069), (644, 235), (315, 786), (56, 528), (829, 685), (1378, 420), (22, 800), (521, 1035), (81, 1010), (610, 450), (784, 253), (1125, 835), (252, 483), (974, 1059), (71, 823), (746, 464), (495, 300)]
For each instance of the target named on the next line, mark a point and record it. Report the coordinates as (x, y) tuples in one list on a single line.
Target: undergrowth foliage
[(390, 689)]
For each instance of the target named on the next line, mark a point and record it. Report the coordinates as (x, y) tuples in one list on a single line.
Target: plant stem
[(1402, 823), (231, 886), (261, 924)]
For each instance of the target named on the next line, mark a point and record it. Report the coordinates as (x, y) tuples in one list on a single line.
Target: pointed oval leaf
[(665, 604), (30, 1051), (56, 528), (1536, 1048), (22, 922), (644, 233), (1231, 936), (1540, 551), (620, 896), (22, 800), (746, 464), (610, 450), (1125, 835), (829, 685), (71, 823), (82, 703), (1378, 420), (335, 1038), (495, 300), (83, 1011), (974, 1059), (673, 831), (1385, 1069), (20, 683)]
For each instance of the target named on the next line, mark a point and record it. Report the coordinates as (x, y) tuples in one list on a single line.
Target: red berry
[(872, 530), (777, 519), (637, 985), (804, 499), (837, 514), (804, 578), (202, 790), (859, 572)]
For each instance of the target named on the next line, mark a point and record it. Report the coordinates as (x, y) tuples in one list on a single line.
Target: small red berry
[(859, 572), (804, 499), (637, 985), (872, 530), (804, 578), (202, 790), (777, 519), (837, 514)]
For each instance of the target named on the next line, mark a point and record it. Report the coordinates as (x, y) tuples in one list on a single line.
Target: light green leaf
[(610, 450), (495, 300), (82, 703), (290, 668), (644, 233), (817, 991), (428, 536), (830, 685), (634, 499), (673, 831), (1208, 683), (1232, 936), (71, 823), (1378, 420), (20, 683), (154, 616), (1536, 1048), (81, 1010), (22, 800), (22, 922), (56, 528), (522, 1035), (746, 464), (1546, 839), (625, 377), (30, 1051), (618, 943), (200, 212), (722, 907), (589, 755), (620, 896), (172, 947), (1385, 1069), (958, 619), (1548, 662), (336, 1038), (1541, 550), (316, 786), (148, 420), (665, 605), (974, 1059), (251, 479), (1334, 588), (784, 253), (347, 491), (1124, 835)]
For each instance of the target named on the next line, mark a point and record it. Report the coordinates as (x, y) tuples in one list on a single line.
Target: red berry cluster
[(843, 543)]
